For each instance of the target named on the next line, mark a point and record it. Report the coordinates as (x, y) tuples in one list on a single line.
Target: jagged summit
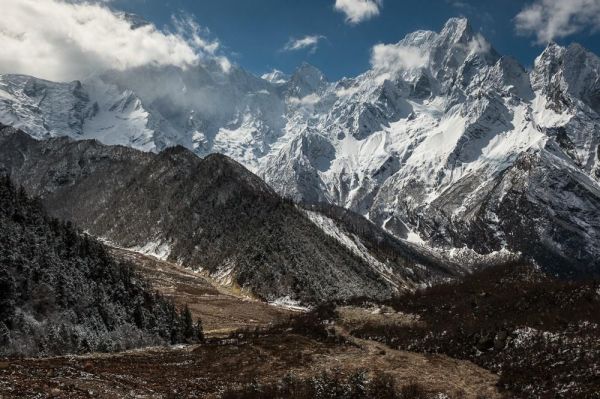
[(276, 77), (457, 30), (306, 80), (135, 21), (572, 71)]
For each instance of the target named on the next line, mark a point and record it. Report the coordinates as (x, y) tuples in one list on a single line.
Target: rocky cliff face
[(212, 215), (419, 144)]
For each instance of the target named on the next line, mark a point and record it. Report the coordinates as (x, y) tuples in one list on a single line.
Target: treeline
[(61, 292)]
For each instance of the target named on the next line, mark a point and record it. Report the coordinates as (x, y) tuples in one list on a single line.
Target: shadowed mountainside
[(209, 214)]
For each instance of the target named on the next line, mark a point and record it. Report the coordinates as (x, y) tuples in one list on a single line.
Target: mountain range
[(444, 143), (214, 216)]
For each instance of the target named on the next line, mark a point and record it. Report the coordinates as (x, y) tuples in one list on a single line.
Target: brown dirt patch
[(221, 311), (352, 318), (205, 370)]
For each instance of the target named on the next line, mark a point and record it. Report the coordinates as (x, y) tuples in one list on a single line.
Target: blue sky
[(253, 33), (64, 40)]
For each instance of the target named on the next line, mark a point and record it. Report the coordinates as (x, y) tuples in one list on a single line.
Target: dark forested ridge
[(61, 292), (538, 333), (210, 213)]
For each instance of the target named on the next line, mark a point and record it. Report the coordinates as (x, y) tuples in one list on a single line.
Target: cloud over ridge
[(61, 40), (391, 57)]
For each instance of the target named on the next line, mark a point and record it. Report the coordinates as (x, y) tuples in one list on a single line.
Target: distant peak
[(274, 71), (553, 46), (135, 21), (511, 65), (575, 46), (306, 80), (552, 50), (457, 30), (276, 77), (305, 69), (458, 24), (457, 21)]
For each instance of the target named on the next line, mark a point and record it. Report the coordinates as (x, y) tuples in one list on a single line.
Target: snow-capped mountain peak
[(276, 77), (305, 81), (442, 140)]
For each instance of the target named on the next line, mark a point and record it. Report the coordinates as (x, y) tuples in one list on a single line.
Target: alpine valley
[(429, 229)]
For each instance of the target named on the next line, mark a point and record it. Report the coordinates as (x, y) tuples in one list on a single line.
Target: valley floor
[(229, 360), (208, 369), (221, 310)]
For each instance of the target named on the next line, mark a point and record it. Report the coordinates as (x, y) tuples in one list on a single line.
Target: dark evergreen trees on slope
[(61, 292)]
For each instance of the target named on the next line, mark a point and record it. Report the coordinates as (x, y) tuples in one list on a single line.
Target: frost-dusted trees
[(199, 330), (61, 291), (186, 329), (7, 298), (189, 331)]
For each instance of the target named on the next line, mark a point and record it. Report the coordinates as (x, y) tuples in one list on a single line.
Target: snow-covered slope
[(430, 143), (82, 110)]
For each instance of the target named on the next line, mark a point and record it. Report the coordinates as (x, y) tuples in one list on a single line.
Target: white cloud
[(224, 63), (388, 60), (393, 57), (460, 4), (62, 40), (309, 100), (554, 19), (189, 30), (479, 45), (357, 11), (347, 92), (311, 42)]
